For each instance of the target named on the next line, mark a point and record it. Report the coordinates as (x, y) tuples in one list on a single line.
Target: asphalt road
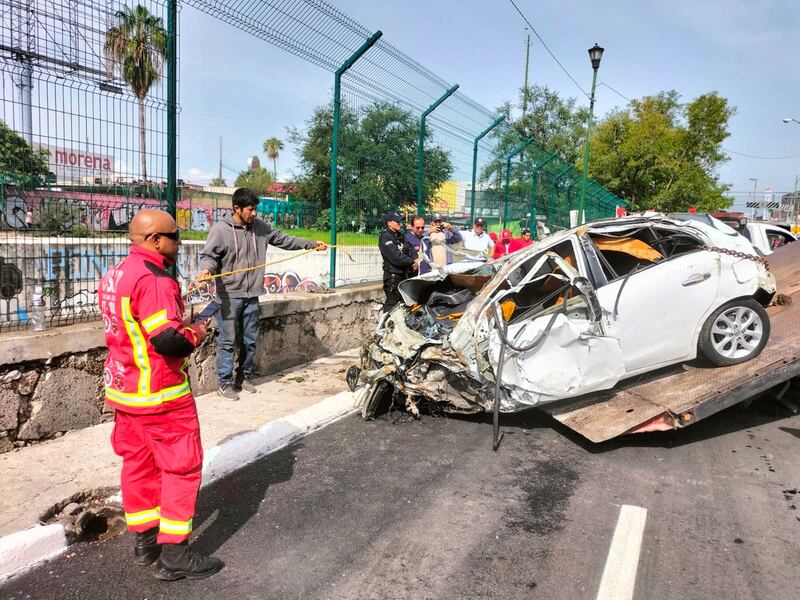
[(415, 510)]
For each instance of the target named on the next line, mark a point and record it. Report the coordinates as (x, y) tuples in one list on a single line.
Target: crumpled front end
[(402, 366)]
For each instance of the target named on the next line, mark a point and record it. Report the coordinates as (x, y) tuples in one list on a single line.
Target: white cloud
[(198, 176)]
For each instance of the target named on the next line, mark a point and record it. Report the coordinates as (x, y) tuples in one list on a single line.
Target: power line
[(762, 157), (536, 33), (618, 93), (788, 156)]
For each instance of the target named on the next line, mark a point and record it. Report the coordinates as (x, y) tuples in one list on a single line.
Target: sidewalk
[(36, 477)]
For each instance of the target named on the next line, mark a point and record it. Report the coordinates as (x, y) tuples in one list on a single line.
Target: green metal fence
[(93, 144)]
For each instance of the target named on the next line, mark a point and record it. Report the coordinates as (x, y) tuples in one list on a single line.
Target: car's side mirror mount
[(586, 289)]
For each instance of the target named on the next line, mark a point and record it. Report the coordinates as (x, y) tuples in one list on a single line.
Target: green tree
[(136, 46), (273, 147), (661, 154), (377, 162), (24, 165), (256, 180), (219, 181), (556, 124), (314, 152)]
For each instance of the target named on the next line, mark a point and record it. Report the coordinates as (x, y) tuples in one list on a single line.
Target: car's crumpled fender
[(570, 358)]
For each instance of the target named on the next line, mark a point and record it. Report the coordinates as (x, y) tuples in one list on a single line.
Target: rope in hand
[(201, 286), (274, 262)]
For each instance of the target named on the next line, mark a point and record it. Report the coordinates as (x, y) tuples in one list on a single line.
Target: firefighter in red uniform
[(156, 431)]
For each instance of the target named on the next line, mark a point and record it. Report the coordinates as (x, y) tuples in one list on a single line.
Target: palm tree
[(273, 147), (137, 45)]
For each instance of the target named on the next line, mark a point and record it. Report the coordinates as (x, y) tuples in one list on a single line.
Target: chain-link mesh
[(543, 192), (84, 145)]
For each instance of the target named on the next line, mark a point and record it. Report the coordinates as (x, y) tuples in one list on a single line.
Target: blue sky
[(245, 90)]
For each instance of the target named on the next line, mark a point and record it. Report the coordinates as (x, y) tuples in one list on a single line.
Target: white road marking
[(619, 576)]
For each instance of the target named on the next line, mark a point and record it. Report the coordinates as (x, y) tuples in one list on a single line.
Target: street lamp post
[(595, 54)]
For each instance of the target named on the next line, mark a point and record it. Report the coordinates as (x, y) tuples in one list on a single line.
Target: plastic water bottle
[(36, 319)]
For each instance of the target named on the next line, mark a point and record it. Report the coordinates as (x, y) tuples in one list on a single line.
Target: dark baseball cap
[(393, 216), (480, 221), (524, 231), (437, 217)]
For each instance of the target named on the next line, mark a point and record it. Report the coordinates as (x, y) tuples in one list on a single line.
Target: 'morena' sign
[(71, 165)]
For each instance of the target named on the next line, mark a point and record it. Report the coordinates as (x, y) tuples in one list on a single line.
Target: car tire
[(734, 333)]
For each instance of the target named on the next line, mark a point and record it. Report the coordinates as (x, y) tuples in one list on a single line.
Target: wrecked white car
[(574, 313)]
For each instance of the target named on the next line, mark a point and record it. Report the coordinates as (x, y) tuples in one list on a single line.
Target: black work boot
[(147, 548), (179, 560)]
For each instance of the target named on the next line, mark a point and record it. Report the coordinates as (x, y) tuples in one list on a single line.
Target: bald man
[(156, 431)]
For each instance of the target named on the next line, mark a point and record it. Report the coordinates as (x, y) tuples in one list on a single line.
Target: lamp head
[(595, 54), (787, 119)]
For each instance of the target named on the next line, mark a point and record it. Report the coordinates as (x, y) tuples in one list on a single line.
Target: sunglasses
[(173, 235)]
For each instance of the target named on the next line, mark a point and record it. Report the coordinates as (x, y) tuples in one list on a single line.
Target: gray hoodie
[(231, 246)]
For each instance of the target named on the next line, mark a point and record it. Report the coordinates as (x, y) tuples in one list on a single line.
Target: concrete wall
[(51, 382), (69, 271)]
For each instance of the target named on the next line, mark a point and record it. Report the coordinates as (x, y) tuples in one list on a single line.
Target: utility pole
[(24, 43), (220, 158), (525, 85)]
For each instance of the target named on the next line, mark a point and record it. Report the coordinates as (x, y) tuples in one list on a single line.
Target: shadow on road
[(226, 505), (760, 412)]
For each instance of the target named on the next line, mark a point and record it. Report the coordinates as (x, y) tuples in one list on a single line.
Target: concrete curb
[(25, 549)]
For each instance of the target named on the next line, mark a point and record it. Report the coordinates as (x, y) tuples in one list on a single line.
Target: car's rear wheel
[(736, 332)]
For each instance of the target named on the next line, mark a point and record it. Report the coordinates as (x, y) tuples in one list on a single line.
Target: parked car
[(574, 313), (764, 237)]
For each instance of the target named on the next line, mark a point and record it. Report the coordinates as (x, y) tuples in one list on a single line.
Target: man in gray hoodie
[(240, 242)]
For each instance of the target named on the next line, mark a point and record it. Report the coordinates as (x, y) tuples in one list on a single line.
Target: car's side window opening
[(548, 288), (565, 250), (622, 253), (543, 297), (776, 239)]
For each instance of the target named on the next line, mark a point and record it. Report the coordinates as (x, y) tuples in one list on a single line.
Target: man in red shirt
[(502, 247), (156, 431), (521, 242)]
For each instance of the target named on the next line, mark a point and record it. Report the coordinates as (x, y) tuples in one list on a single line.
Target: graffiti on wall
[(274, 283), (101, 212)]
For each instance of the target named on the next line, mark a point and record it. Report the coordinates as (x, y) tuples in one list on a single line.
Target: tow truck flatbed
[(683, 394)]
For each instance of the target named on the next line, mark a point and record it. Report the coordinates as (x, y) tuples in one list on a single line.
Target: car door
[(555, 345), (656, 312)]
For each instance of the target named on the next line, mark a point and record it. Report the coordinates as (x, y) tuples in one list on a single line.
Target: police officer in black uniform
[(399, 259)]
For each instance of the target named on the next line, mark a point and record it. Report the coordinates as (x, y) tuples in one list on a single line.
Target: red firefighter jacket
[(148, 345)]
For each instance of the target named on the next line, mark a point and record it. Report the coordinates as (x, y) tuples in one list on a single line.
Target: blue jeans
[(238, 326)]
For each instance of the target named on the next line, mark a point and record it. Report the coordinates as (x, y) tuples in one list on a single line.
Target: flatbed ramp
[(683, 394)]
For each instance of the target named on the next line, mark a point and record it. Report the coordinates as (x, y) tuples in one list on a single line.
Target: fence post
[(421, 151), (337, 109), (535, 190), (554, 190), (475, 164), (172, 106), (513, 153)]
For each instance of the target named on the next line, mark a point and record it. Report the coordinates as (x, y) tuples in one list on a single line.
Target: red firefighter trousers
[(162, 462)]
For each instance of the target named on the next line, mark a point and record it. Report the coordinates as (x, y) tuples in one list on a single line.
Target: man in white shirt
[(477, 242)]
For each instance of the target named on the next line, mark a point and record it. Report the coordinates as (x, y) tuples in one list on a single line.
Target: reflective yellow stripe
[(139, 346), (144, 516), (155, 321), (143, 400), (176, 527)]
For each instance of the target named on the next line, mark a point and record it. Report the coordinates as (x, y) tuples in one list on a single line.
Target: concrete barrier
[(38, 366)]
